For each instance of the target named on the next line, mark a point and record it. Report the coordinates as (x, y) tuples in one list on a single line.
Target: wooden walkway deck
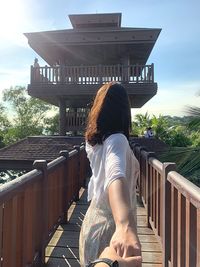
[(62, 250)]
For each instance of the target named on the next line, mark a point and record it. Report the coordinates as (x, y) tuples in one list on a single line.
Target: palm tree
[(194, 124), (141, 123), (188, 158)]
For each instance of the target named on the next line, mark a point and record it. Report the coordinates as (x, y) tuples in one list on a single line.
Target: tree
[(160, 127), (188, 158), (194, 123), (52, 125), (141, 123), (4, 125), (28, 114)]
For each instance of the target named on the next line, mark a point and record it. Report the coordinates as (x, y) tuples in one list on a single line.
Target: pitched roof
[(38, 148)]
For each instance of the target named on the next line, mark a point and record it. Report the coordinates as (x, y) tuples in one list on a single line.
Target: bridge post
[(140, 182), (166, 216), (77, 147), (41, 165), (148, 155), (64, 219)]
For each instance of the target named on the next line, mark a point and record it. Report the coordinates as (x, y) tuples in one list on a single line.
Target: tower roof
[(94, 39), (95, 20)]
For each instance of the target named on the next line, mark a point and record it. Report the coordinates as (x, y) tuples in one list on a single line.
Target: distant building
[(97, 50)]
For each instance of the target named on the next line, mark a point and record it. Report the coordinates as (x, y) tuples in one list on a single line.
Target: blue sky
[(176, 54)]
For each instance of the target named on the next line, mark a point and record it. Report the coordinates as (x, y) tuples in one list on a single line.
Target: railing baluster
[(174, 210), (198, 239), (7, 234), (181, 230), (158, 199)]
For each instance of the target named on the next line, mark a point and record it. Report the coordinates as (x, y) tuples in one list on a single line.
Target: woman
[(111, 216)]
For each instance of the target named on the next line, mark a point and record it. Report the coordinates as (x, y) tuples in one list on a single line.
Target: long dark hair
[(109, 114)]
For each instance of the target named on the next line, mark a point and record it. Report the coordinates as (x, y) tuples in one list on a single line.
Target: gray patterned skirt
[(96, 232)]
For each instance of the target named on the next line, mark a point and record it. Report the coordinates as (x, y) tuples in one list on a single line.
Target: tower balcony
[(77, 85)]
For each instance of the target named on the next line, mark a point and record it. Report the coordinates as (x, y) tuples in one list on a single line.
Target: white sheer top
[(112, 160)]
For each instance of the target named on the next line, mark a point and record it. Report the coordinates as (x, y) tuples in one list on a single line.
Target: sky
[(176, 53)]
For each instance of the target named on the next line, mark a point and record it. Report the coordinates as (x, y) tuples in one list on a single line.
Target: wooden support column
[(62, 117)]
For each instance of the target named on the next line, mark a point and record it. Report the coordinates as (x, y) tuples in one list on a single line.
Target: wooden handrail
[(93, 74), (9, 189), (173, 209), (32, 206), (185, 187), (185, 221)]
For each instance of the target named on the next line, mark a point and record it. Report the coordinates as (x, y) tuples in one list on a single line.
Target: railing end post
[(40, 165), (64, 153), (167, 167), (77, 147)]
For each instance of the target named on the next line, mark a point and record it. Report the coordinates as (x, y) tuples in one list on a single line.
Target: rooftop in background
[(96, 20), (94, 39), (22, 154)]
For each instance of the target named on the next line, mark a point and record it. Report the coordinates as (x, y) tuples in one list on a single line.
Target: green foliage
[(195, 138), (141, 123), (183, 137), (52, 125), (4, 125), (159, 126), (187, 161), (28, 115), (8, 175), (194, 123), (165, 128), (177, 138)]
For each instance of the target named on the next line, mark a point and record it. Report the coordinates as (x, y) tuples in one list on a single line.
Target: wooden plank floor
[(62, 251)]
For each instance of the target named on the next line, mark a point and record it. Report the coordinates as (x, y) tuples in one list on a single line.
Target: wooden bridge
[(41, 213)]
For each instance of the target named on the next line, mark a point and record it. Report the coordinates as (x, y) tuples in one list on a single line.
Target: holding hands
[(110, 253)]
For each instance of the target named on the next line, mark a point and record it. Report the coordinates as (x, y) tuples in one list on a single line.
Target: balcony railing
[(93, 74)]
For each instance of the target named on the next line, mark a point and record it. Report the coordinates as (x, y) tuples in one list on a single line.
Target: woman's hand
[(125, 242), (110, 253)]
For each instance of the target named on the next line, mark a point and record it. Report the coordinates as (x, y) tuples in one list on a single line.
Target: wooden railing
[(173, 209), (32, 206), (93, 74)]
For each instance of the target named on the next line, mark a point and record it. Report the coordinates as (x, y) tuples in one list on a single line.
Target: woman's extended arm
[(124, 240)]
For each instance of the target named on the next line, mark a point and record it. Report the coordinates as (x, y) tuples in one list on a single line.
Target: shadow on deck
[(62, 250)]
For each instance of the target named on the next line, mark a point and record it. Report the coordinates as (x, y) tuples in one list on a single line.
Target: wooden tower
[(95, 51)]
